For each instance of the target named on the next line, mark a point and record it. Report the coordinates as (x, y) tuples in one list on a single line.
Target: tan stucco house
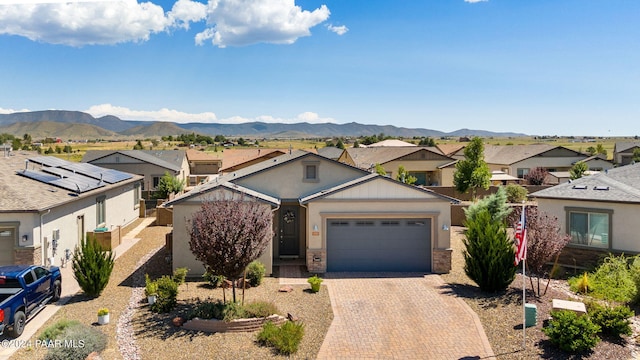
[(599, 211), (330, 216), (49, 204), (623, 152)]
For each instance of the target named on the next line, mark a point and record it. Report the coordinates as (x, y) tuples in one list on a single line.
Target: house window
[(590, 227), (310, 169), (421, 177), (101, 210), (523, 172), (156, 181)]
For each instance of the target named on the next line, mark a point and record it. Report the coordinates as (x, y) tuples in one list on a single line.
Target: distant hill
[(79, 125)]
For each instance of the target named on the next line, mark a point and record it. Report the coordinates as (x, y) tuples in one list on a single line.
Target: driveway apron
[(377, 316)]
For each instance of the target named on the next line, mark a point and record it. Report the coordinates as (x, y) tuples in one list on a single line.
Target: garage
[(7, 240), (396, 245)]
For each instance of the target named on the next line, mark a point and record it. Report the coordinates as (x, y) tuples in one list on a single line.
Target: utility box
[(530, 315)]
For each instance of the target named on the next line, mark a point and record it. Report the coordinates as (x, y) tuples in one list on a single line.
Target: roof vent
[(579, 187), (605, 188)]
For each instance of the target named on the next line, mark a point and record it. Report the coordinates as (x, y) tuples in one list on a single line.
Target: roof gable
[(511, 154), (168, 159), (366, 158)]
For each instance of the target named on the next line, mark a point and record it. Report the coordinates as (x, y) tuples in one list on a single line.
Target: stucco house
[(623, 152), (236, 159), (201, 166), (151, 164), (599, 211), (427, 164), (330, 216), (49, 204)]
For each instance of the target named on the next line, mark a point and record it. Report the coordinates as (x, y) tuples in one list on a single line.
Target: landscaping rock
[(292, 317), (178, 321), (286, 288)]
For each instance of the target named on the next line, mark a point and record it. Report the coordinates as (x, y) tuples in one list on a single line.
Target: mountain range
[(77, 125)]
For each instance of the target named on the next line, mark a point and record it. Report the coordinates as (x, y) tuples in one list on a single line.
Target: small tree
[(472, 172), (601, 150), (636, 155), (92, 267), (403, 176), (138, 145), (168, 185), (537, 176), (380, 170), (496, 204), (227, 235), (577, 170), (544, 243), (340, 144), (488, 253), (516, 193)]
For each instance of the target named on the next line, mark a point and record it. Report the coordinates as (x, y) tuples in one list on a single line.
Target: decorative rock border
[(239, 325)]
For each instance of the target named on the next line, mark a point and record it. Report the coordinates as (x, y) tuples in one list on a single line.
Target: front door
[(289, 231)]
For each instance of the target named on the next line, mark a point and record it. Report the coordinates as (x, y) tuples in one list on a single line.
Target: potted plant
[(315, 282), (150, 290), (103, 316)]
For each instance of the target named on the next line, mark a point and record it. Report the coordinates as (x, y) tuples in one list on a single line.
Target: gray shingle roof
[(169, 159), (22, 194), (624, 146), (616, 185), (330, 152), (510, 154)]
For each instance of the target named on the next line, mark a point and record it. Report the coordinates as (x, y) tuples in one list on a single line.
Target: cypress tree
[(92, 267)]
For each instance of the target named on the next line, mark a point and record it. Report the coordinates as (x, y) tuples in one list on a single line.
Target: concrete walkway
[(392, 316), (69, 289)]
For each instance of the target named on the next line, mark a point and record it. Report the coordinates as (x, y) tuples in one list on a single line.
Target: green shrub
[(231, 311), (516, 193), (208, 310), (92, 267), (285, 338), (572, 333), (612, 320), (260, 309), (489, 253), (315, 282), (180, 275), (580, 284), (613, 280), (167, 295), (255, 273), (79, 341), (52, 332), (150, 287), (214, 280)]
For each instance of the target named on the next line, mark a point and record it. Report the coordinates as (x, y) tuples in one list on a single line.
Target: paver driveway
[(377, 316)]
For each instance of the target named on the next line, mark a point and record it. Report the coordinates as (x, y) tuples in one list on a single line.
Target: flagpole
[(524, 285)]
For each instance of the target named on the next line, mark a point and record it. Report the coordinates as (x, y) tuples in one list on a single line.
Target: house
[(49, 204), (151, 164), (596, 162), (426, 164), (236, 159), (201, 166), (501, 178), (518, 160), (623, 152), (561, 177), (330, 216), (599, 211), (391, 143)]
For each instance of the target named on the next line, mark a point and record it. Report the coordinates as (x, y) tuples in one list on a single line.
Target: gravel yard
[(501, 315)]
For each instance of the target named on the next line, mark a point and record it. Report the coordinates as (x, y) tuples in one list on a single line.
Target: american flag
[(521, 239)]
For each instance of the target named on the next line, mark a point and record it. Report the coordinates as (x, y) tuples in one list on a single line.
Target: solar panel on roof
[(110, 176), (76, 184), (48, 161), (37, 175)]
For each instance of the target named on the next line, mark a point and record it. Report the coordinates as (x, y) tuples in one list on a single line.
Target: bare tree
[(544, 243), (226, 235)]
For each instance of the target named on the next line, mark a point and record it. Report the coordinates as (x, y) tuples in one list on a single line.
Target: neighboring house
[(518, 160), (424, 163), (501, 178), (236, 159), (561, 177), (201, 166), (391, 143), (48, 205), (151, 164), (623, 152), (331, 152), (597, 162), (332, 216), (599, 211), (451, 149)]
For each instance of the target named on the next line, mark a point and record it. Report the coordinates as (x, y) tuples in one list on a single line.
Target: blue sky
[(540, 67)]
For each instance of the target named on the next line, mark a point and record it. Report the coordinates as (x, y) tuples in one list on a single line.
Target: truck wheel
[(19, 320), (57, 290)]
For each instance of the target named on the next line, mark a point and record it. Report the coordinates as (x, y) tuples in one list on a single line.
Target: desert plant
[(103, 311), (285, 338), (516, 193), (612, 320), (571, 332), (488, 254), (167, 295), (580, 284), (92, 266), (54, 331), (615, 279), (85, 338), (180, 275), (151, 287), (255, 273), (315, 282), (214, 280)]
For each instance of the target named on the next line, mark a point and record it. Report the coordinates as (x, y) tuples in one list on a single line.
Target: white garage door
[(398, 245), (7, 241)]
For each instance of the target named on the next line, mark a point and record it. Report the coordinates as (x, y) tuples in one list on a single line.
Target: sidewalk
[(70, 287)]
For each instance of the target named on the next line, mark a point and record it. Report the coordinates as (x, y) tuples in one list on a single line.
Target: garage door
[(7, 239), (379, 245)]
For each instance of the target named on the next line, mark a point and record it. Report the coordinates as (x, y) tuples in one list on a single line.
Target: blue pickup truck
[(24, 291)]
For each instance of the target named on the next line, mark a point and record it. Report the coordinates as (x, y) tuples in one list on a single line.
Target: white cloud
[(11, 111), (155, 115), (475, 1), (186, 11), (246, 22), (340, 30)]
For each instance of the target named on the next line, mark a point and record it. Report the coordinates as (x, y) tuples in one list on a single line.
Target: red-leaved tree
[(227, 235), (544, 243)]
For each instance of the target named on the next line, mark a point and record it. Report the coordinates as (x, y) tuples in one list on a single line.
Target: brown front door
[(289, 231)]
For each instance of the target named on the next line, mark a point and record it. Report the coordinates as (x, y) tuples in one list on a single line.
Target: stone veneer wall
[(441, 261), (584, 258), (27, 256), (316, 266)]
